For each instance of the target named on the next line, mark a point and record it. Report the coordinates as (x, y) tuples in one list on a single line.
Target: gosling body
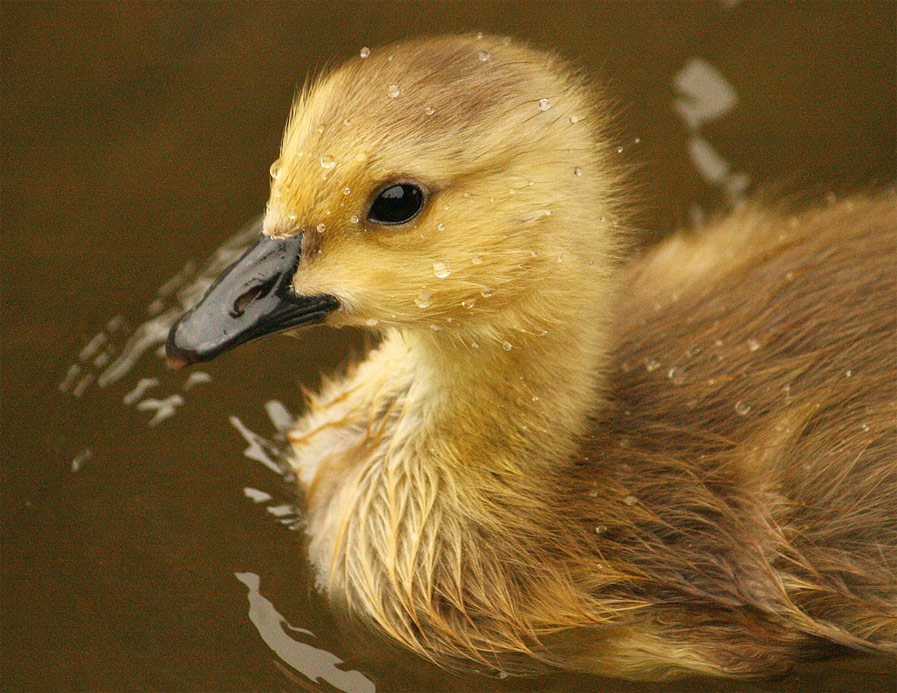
[(681, 462), (729, 509)]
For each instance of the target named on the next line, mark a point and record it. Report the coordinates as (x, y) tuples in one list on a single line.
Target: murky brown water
[(148, 540)]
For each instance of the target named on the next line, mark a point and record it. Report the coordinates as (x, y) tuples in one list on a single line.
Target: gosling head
[(455, 187)]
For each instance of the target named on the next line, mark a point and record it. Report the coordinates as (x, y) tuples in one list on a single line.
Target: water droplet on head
[(442, 269), (440, 226), (483, 55), (630, 500), (372, 322), (544, 104), (365, 52), (637, 140), (600, 528), (423, 299), (577, 171), (620, 149), (393, 90), (676, 374), (275, 169), (321, 227), (468, 303), (327, 162), (347, 190), (486, 292), (354, 219), (435, 327), (534, 253), (346, 123), (429, 110), (535, 398), (479, 35), (741, 408), (753, 344), (506, 346), (477, 260), (574, 119), (652, 365), (848, 373)]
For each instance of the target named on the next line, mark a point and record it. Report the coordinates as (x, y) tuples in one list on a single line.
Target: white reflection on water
[(162, 408), (139, 390), (145, 337), (81, 458), (705, 95), (266, 451), (175, 296), (256, 495), (317, 664), (260, 449), (279, 415)]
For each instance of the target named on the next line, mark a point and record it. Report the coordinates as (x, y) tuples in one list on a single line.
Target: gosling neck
[(524, 396)]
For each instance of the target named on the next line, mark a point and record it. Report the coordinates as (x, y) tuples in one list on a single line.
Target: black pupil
[(397, 204)]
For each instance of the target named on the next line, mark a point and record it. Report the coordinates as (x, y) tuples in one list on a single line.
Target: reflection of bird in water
[(680, 462)]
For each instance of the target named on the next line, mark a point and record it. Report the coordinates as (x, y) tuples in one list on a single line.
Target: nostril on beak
[(249, 296)]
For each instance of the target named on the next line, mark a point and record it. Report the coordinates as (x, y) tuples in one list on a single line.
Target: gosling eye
[(396, 204)]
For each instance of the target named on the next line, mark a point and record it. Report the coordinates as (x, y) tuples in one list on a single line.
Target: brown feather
[(685, 462)]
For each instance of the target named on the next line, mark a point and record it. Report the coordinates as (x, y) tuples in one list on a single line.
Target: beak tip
[(176, 362), (252, 298), (176, 356)]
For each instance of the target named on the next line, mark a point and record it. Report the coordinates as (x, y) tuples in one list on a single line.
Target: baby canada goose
[(680, 463)]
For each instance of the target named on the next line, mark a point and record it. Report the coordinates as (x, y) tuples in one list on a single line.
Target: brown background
[(138, 136)]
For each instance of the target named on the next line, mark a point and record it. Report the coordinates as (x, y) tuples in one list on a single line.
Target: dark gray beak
[(252, 298)]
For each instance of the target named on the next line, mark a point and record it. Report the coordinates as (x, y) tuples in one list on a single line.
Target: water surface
[(150, 538)]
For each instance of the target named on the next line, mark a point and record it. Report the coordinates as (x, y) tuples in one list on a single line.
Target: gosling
[(682, 462)]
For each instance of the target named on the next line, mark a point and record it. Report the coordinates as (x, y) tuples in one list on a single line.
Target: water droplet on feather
[(442, 269), (423, 299)]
